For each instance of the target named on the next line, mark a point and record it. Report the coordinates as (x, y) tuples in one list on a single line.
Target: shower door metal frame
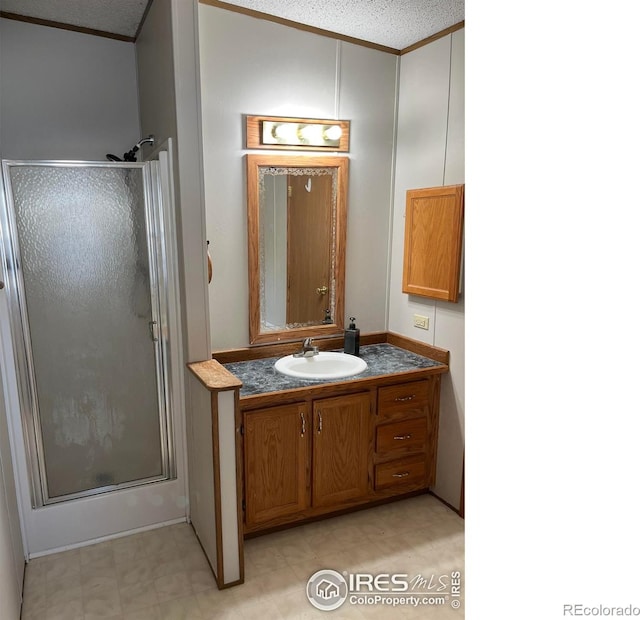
[(21, 339)]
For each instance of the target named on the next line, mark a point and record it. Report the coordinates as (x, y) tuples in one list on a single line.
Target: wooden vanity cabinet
[(341, 431), (320, 455), (305, 456), (406, 436), (276, 462)]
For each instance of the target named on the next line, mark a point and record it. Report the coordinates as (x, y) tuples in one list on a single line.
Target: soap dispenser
[(352, 338)]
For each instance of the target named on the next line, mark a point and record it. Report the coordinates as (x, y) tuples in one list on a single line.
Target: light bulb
[(287, 132), (312, 134), (333, 133)]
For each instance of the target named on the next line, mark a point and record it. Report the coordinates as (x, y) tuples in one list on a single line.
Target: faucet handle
[(307, 342)]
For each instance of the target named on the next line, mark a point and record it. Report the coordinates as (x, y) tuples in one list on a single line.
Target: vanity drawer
[(403, 399), (412, 470), (405, 436)]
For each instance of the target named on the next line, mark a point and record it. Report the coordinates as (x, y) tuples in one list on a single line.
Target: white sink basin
[(324, 365)]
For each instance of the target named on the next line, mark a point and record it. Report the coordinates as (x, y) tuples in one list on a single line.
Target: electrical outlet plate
[(421, 321)]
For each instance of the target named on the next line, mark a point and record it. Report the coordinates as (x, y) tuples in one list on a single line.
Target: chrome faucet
[(308, 349)]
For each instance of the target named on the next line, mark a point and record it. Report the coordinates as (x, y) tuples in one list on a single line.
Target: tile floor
[(162, 574)]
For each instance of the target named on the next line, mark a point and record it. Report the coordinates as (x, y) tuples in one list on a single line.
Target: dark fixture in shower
[(131, 155)]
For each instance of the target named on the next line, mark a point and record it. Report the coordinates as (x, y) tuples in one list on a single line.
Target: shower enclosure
[(90, 286)]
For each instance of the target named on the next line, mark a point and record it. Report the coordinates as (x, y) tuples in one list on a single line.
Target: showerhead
[(149, 140), (131, 155)]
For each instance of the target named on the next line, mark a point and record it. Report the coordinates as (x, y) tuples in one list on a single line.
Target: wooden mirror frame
[(254, 163)]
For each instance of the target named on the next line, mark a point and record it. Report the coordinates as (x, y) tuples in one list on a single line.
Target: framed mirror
[(297, 214)]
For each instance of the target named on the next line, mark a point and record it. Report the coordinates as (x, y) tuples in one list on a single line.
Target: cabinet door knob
[(402, 399), (402, 437)]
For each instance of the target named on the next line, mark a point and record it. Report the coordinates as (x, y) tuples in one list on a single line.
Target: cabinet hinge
[(242, 429), (244, 505)]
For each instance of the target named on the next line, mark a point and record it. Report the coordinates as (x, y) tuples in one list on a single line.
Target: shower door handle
[(153, 330)]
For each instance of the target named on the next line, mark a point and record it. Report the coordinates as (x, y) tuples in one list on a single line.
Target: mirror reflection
[(297, 213)]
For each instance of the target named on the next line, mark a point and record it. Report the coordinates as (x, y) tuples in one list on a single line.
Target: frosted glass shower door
[(84, 239)]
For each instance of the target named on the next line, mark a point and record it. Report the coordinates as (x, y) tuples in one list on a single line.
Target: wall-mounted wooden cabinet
[(433, 242)]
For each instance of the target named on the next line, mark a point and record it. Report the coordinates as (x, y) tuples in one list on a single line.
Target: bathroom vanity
[(311, 448), (274, 450)]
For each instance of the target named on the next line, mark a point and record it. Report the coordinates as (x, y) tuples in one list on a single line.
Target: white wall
[(251, 66), (430, 152), (167, 57), (65, 95)]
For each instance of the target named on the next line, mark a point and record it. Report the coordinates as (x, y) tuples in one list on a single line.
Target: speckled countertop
[(260, 376)]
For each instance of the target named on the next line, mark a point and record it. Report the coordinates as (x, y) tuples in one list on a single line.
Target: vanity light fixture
[(302, 134)]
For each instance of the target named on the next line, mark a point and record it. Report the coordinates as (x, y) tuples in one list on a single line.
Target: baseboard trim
[(94, 541), (447, 504)]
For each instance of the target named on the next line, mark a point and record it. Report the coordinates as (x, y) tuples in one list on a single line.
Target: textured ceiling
[(392, 23), (114, 16)]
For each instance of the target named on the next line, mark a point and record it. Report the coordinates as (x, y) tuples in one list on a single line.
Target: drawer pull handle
[(303, 424), (404, 399), (319, 422), (402, 437), (402, 474)]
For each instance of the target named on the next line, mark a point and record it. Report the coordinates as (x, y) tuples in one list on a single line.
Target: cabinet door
[(433, 242), (276, 455), (341, 443)]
